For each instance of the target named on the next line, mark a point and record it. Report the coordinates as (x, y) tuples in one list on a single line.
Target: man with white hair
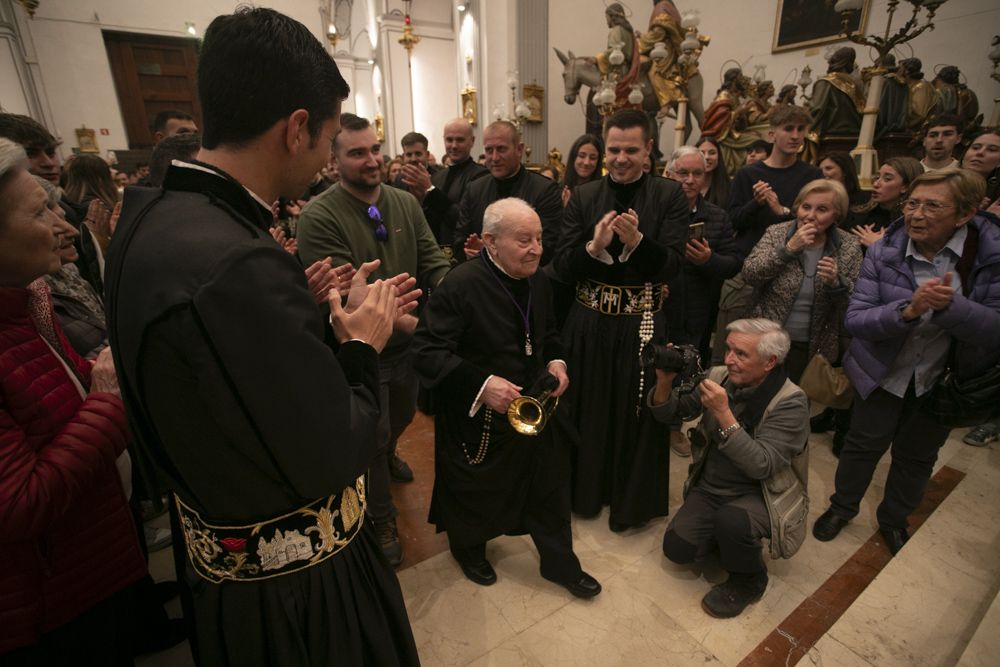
[(750, 468), (487, 334)]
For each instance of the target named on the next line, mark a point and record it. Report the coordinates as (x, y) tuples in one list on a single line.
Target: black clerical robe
[(471, 329), (543, 195), (622, 458), (238, 401), (441, 204)]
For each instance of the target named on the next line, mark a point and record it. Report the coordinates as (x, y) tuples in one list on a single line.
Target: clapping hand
[(320, 278), (603, 233), (826, 270), (373, 318), (764, 195), (935, 294), (291, 246), (98, 221), (103, 378), (417, 179), (626, 226), (867, 235), (342, 277), (473, 244)]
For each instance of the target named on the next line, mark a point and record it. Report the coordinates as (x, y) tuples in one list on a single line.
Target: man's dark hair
[(943, 120), (760, 145), (27, 132), (351, 123), (411, 138), (625, 119), (178, 147), (256, 67), (160, 123)]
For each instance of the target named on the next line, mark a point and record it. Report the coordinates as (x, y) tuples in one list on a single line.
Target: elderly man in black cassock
[(623, 238), (263, 433), (487, 334)]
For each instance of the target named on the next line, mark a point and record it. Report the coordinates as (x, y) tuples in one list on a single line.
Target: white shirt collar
[(198, 167)]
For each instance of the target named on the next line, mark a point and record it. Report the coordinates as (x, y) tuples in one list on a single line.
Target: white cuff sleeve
[(603, 256), (476, 404), (627, 252)]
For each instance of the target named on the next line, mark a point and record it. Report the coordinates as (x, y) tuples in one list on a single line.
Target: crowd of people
[(244, 330)]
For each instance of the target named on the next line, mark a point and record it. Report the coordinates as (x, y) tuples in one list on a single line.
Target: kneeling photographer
[(748, 475)]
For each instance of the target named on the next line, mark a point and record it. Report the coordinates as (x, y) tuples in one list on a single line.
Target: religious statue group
[(664, 68)]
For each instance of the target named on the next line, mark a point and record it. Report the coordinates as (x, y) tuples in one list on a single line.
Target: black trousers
[(733, 524), (877, 422), (797, 360), (398, 388), (555, 551)]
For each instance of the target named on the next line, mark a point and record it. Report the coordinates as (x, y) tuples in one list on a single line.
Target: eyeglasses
[(381, 233), (931, 208), (684, 173)]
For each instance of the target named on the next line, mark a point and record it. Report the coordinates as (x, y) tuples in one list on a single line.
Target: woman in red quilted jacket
[(68, 546)]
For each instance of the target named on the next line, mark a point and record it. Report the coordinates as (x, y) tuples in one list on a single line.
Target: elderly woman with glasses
[(69, 547), (931, 285)]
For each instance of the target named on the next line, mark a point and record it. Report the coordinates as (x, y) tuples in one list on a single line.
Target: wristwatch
[(724, 433)]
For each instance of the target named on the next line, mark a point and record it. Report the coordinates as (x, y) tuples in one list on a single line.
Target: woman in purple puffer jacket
[(931, 282)]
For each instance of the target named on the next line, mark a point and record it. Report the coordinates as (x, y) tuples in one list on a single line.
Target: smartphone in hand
[(696, 230)]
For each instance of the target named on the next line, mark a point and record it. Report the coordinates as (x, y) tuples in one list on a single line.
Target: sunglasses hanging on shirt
[(381, 233)]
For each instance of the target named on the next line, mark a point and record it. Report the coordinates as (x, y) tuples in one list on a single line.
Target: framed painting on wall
[(802, 23), (470, 105), (534, 97)]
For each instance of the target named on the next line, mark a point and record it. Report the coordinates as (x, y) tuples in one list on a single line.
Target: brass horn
[(528, 414)]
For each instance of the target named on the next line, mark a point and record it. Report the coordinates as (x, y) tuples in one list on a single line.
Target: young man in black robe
[(263, 435), (488, 333), (623, 238)]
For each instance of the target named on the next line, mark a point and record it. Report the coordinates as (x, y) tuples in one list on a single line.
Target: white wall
[(73, 63), (744, 31), (420, 90)]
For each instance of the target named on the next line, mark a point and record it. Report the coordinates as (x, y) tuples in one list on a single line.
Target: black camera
[(681, 359)]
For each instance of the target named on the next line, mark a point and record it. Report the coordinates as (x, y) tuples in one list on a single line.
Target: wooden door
[(152, 74)]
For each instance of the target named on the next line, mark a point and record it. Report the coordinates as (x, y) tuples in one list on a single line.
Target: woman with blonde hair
[(803, 272)]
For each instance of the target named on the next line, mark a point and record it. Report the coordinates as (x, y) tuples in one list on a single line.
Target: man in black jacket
[(232, 392), (440, 191), (710, 257), (508, 178)]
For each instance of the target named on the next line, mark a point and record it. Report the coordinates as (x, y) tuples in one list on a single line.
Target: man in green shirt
[(358, 221)]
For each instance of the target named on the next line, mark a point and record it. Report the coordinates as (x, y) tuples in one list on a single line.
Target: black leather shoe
[(618, 526), (822, 422), (399, 470), (894, 538), (828, 526), (584, 587), (732, 596), (481, 573)]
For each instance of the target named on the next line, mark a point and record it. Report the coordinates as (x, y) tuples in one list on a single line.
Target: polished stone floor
[(841, 603)]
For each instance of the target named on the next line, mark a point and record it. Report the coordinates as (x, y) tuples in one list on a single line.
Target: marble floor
[(844, 602)]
